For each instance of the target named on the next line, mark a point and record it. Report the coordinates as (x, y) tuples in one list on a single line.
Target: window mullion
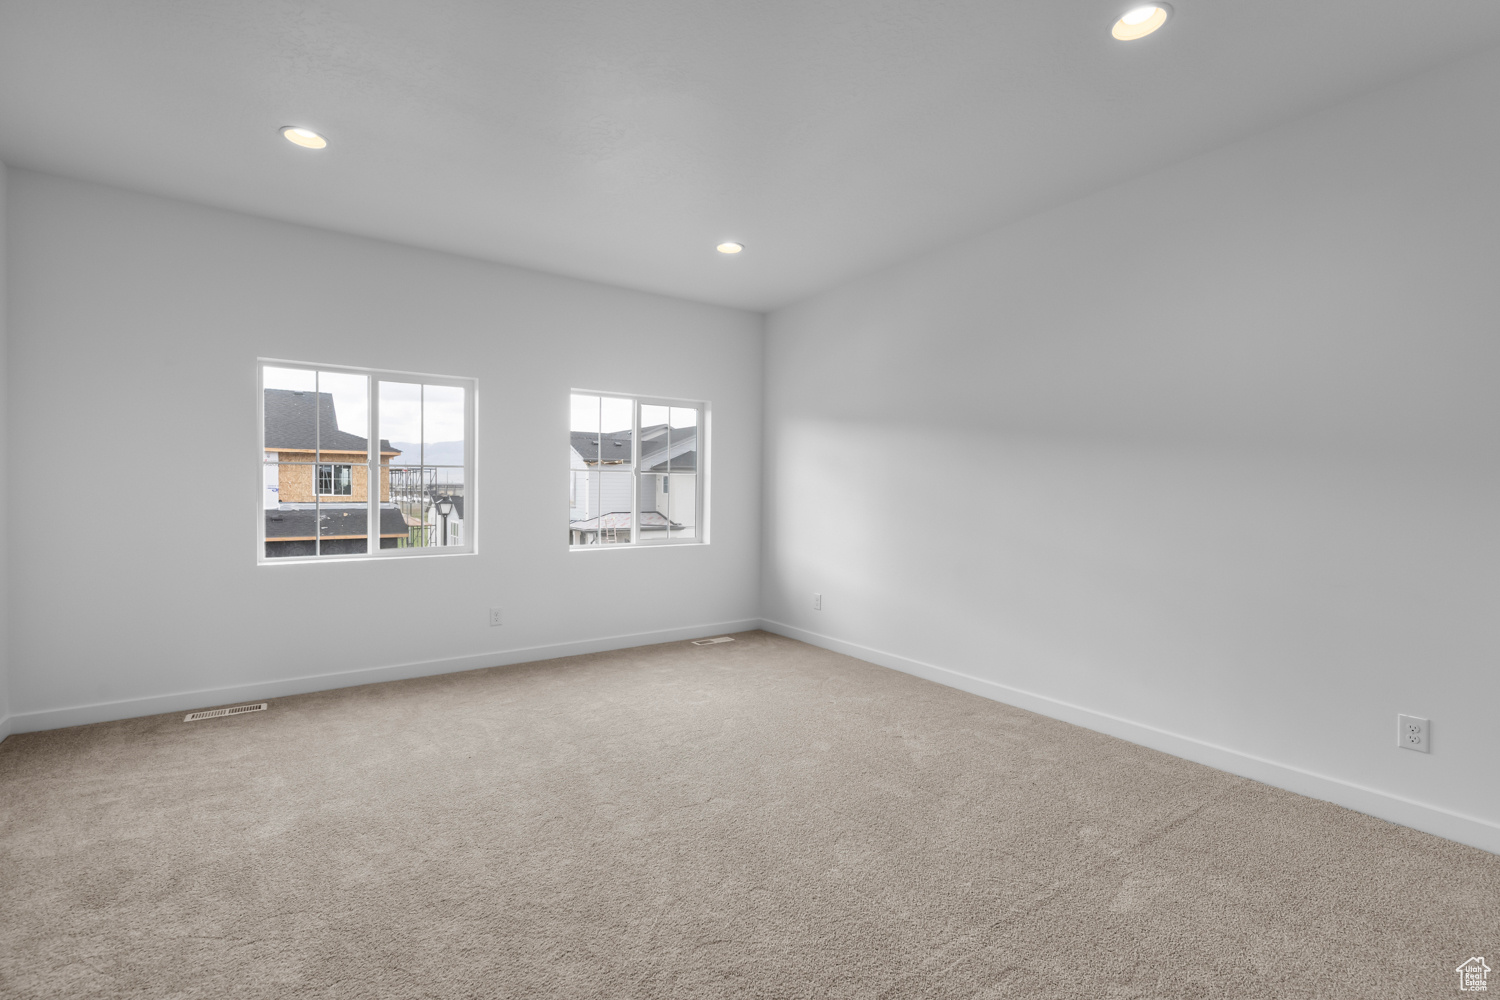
[(597, 479), (635, 479), (700, 481), (317, 464), (422, 465), (372, 467), (260, 392)]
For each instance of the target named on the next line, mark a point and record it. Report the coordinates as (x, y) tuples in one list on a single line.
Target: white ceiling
[(619, 140)]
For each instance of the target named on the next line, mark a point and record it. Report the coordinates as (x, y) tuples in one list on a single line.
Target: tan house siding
[(295, 482)]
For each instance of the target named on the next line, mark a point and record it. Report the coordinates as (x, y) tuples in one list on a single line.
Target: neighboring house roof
[(685, 462), (295, 421), (650, 521), (616, 445), (340, 520)]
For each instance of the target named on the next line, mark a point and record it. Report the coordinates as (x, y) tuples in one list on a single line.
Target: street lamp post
[(444, 507)]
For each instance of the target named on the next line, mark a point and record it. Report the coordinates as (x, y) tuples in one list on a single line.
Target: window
[(324, 482), (633, 471), (335, 480)]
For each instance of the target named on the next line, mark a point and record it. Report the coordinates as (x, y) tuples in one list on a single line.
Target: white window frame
[(374, 376), (700, 482)]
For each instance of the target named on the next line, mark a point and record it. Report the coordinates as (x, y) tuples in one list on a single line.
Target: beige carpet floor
[(755, 819)]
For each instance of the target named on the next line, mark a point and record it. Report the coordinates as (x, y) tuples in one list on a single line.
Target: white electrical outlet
[(495, 618), (817, 602), (1414, 733)]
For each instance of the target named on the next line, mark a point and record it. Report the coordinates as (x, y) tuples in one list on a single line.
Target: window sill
[(695, 543), (319, 560)]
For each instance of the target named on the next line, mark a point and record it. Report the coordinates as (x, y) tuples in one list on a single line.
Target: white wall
[(5, 723), (136, 324), (1233, 428)]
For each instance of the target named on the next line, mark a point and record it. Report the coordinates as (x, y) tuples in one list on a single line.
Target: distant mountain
[(438, 453)]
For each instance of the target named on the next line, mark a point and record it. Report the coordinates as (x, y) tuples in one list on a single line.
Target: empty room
[(1032, 513)]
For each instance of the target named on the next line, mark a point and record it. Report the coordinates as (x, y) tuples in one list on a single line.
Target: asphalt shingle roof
[(338, 519), (686, 462), (617, 443), (616, 446), (294, 419)]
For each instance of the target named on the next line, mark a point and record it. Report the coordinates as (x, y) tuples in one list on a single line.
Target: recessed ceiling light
[(304, 137), (1141, 21), (730, 247)]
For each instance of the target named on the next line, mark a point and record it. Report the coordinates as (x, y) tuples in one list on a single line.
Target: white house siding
[(579, 491), (614, 490), (595, 492), (579, 495), (660, 497), (679, 503)]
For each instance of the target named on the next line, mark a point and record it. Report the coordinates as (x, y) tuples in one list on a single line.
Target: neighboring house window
[(335, 480), (347, 448), (636, 471)]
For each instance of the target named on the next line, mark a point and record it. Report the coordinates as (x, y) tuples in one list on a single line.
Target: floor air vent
[(710, 642), (219, 713)]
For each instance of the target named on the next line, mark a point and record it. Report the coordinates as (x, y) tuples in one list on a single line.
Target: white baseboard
[(185, 701), (4, 727), (1395, 808)]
